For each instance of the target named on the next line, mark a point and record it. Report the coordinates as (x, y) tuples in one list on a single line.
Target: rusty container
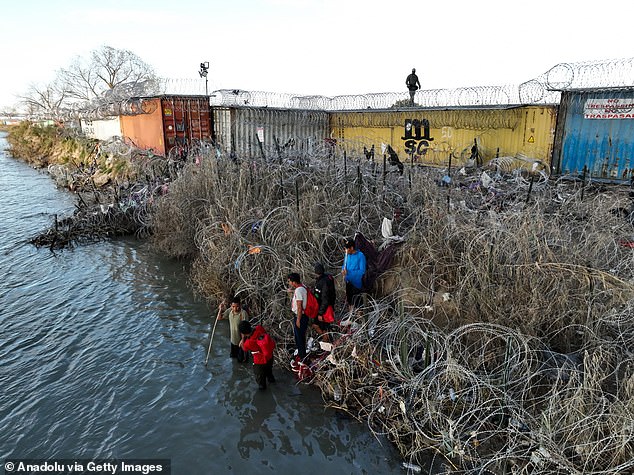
[(162, 123)]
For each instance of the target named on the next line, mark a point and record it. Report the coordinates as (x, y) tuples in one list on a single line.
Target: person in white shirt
[(300, 319)]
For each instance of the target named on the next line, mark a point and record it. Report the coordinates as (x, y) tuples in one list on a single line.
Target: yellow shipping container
[(431, 136)]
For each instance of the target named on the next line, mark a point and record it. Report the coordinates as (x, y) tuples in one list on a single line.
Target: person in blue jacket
[(353, 269)]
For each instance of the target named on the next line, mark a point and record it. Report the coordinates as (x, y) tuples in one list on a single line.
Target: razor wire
[(602, 74), (542, 90), (597, 75), (502, 342), (482, 96)]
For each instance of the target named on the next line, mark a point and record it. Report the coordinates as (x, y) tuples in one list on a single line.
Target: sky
[(314, 47)]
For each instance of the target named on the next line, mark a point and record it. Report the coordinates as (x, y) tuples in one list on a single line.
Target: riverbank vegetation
[(116, 184), (500, 339)]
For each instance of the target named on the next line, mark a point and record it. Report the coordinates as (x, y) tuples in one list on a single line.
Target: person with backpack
[(261, 346), (325, 293), (302, 309)]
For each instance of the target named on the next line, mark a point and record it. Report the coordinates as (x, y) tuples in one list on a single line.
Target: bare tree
[(46, 102), (108, 74), (9, 111), (92, 86)]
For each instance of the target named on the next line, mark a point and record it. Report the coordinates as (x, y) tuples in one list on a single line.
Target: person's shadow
[(261, 428)]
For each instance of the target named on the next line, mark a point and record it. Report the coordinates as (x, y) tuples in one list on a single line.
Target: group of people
[(353, 268), (255, 340), (246, 339)]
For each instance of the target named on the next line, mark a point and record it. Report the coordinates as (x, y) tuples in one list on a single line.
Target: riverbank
[(115, 183), (498, 340), (102, 355)]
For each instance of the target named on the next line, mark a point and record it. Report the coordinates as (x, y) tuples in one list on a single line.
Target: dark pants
[(264, 373), (353, 295), (237, 352), (323, 326), (300, 335)]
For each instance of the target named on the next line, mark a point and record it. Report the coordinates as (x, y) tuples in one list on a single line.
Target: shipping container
[(431, 136), (101, 129), (595, 134), (249, 132), (166, 122)]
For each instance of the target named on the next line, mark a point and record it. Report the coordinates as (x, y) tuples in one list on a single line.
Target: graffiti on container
[(417, 136)]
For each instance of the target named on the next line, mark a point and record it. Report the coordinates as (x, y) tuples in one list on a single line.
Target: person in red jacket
[(261, 346)]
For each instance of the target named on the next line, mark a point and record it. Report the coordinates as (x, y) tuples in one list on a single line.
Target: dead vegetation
[(116, 183), (499, 342)]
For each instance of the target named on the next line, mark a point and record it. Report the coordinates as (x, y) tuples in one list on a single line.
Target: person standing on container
[(353, 269), (413, 84)]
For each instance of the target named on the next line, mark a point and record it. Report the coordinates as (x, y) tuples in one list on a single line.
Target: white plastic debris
[(325, 346), (337, 394), (106, 208), (386, 228), (486, 180), (411, 467)]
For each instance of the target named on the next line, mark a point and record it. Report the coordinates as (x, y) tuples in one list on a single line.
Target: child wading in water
[(261, 346)]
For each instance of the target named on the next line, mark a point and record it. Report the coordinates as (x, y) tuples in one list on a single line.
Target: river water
[(102, 351)]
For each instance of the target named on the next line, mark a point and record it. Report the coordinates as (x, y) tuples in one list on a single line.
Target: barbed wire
[(500, 341), (542, 90), (613, 73)]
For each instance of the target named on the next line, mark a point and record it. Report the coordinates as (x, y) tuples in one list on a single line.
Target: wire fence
[(541, 90), (500, 340), (544, 89)]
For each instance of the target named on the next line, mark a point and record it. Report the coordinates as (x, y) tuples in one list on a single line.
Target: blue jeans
[(300, 335)]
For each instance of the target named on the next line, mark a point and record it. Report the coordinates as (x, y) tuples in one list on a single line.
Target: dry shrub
[(500, 339)]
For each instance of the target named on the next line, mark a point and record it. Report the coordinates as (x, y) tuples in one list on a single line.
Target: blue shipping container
[(596, 133)]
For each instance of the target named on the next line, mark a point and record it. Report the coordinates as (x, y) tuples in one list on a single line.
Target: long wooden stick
[(211, 340)]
